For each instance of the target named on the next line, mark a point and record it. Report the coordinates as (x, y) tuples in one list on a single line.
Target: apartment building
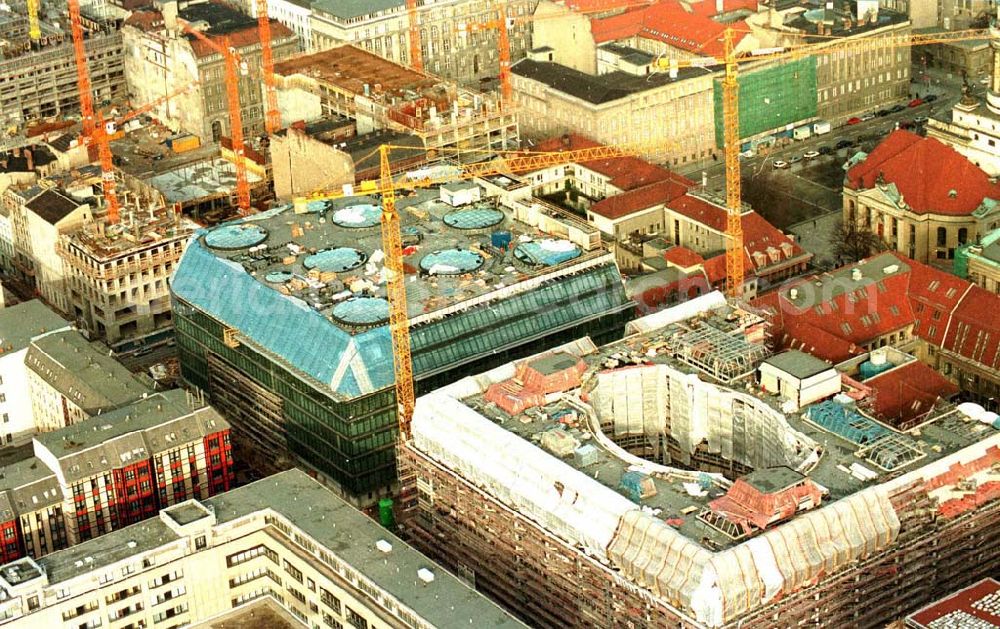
[(19, 325), (117, 275), (39, 216), (672, 116), (449, 47), (113, 470), (71, 379), (295, 14), (285, 541), (381, 95), (921, 197), (163, 59), (983, 262), (40, 82)]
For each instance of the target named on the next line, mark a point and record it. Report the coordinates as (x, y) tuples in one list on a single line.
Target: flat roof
[(949, 433), (262, 613), (322, 269), (186, 512), (347, 9), (974, 607), (208, 178), (83, 372), (352, 68), (597, 90), (798, 364), (24, 321)]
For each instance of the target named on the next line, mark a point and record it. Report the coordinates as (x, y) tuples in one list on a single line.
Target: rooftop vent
[(131, 543), (383, 546), (856, 275), (892, 268), (425, 575), (953, 194)]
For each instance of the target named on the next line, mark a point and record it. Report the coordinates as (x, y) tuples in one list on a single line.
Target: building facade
[(448, 50), (285, 540), (921, 198), (162, 60), (983, 266)]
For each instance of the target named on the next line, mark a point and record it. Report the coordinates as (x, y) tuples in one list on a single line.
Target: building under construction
[(653, 483), (38, 79), (282, 317)]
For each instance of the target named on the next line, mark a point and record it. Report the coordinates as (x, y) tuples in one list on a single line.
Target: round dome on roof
[(317, 206), (338, 259), (451, 262), (474, 218), (237, 236), (278, 277), (547, 252), (361, 215), (362, 311)]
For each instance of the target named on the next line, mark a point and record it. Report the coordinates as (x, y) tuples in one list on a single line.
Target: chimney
[(168, 8), (718, 7), (31, 159)]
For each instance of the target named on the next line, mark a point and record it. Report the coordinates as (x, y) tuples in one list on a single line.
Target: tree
[(851, 243)]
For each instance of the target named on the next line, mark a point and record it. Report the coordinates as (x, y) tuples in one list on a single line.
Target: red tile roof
[(670, 22), (625, 173), (944, 310), (145, 20), (683, 257), (908, 392), (619, 205), (700, 211), (932, 177)]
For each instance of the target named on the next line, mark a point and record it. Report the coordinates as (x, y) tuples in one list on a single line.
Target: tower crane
[(82, 75), (731, 115), (234, 67), (103, 131), (272, 118), (34, 26)]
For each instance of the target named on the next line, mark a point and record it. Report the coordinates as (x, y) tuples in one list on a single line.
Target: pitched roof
[(625, 173), (670, 22), (52, 206), (907, 392), (619, 205), (242, 38), (683, 257), (892, 293), (931, 176), (700, 211)]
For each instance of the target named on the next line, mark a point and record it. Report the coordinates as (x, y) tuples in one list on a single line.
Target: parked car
[(824, 150), (868, 117), (930, 98), (854, 120), (882, 113), (843, 144), (907, 124), (920, 119), (916, 102), (747, 154), (895, 109), (794, 159), (780, 163), (811, 154)]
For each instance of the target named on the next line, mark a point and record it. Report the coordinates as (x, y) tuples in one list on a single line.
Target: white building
[(799, 378), (295, 14), (285, 539), (19, 324)]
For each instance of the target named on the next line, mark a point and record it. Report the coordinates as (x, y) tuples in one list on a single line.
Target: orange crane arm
[(232, 63), (272, 118), (82, 74)]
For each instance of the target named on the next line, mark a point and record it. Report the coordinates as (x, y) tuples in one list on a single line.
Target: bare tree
[(851, 243)]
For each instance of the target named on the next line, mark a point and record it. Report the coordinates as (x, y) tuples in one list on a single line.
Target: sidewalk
[(814, 236)]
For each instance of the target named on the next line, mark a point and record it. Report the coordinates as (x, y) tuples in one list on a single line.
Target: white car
[(779, 163), (747, 154), (810, 154)]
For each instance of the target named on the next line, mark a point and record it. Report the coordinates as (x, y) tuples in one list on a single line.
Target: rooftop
[(24, 321), (323, 269), (84, 372), (625, 464), (925, 175), (798, 364), (209, 178), (597, 90), (140, 228), (186, 512), (356, 70), (348, 9), (974, 607), (627, 173), (670, 22), (53, 206), (263, 613)]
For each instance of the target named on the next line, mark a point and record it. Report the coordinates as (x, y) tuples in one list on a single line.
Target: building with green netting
[(771, 98), (282, 320)]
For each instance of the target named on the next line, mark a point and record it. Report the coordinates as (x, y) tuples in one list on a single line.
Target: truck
[(822, 127), (801, 133)]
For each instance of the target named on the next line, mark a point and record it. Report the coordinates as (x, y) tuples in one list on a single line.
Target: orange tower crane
[(233, 65), (416, 54), (103, 132), (82, 74), (272, 118)]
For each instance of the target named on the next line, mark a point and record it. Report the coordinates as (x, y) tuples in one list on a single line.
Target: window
[(356, 620), (293, 571), (942, 236), (963, 234), (329, 600), (199, 542)]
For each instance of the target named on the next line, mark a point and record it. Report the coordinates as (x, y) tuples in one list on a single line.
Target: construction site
[(653, 482), (254, 298)]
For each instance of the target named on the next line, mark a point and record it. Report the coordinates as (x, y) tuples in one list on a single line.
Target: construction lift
[(34, 26), (234, 67)]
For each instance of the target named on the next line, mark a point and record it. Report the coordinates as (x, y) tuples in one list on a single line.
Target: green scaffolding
[(771, 98)]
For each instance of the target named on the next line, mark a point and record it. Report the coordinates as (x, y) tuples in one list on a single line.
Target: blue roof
[(286, 326), (845, 422)]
